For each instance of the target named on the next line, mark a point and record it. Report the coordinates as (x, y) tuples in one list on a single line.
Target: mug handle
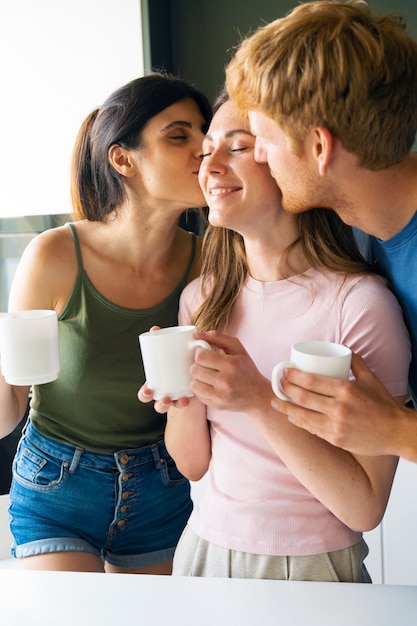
[(276, 376), (200, 343)]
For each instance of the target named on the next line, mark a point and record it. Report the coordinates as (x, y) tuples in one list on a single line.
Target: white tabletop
[(65, 599)]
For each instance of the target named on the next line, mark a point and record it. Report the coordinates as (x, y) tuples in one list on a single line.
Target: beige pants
[(196, 557)]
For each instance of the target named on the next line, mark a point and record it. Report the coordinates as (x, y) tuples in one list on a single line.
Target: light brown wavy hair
[(335, 65), (327, 243)]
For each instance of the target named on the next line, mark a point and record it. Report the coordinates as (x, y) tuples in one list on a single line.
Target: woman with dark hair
[(94, 488)]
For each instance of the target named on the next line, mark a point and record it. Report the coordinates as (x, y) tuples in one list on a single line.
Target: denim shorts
[(129, 507)]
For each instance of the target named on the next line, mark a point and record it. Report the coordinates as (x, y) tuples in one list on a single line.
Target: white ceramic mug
[(167, 355), (29, 351), (316, 357)]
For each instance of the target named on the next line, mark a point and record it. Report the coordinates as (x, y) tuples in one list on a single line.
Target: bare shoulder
[(49, 249), (46, 272)]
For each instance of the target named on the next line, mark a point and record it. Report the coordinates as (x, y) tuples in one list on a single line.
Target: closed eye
[(243, 149), (178, 137)]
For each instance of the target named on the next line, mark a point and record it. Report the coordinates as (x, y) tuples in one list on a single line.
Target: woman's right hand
[(13, 405), (145, 394), (161, 406)]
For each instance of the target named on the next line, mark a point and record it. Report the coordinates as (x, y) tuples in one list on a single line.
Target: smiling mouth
[(221, 190)]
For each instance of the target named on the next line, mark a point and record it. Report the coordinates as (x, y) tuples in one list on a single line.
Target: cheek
[(266, 185), (274, 162), (202, 176), (281, 162)]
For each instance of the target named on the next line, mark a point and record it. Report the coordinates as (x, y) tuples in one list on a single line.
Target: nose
[(260, 152), (198, 147), (213, 163)]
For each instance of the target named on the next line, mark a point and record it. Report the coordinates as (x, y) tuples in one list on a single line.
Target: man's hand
[(360, 416)]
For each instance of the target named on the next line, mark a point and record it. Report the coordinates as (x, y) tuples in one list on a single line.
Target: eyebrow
[(231, 133), (176, 123)]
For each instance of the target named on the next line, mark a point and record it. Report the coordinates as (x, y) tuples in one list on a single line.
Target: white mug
[(316, 357), (29, 351), (167, 355)]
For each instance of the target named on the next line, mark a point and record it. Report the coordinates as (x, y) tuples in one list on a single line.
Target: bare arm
[(43, 280), (13, 403), (360, 416), (187, 438), (354, 488)]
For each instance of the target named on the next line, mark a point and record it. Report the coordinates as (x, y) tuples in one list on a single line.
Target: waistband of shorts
[(76, 455)]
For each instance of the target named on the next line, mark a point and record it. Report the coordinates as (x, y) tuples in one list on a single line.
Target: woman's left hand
[(227, 378)]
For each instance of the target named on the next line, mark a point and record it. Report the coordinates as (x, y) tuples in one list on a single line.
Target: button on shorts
[(129, 507)]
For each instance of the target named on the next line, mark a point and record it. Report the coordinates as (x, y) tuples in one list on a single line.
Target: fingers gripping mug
[(167, 355), (316, 357)]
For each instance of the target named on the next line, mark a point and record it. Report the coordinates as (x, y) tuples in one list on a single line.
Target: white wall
[(59, 60), (393, 546), (399, 536)]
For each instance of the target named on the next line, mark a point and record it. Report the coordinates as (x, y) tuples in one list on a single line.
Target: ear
[(323, 145), (121, 160)]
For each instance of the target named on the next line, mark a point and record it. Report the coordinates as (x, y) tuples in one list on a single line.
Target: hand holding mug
[(316, 357), (29, 347), (167, 355)]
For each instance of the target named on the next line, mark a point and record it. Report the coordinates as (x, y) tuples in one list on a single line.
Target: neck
[(388, 202), (141, 238), (269, 261)]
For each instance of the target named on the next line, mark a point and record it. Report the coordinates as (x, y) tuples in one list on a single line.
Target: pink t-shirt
[(252, 502)]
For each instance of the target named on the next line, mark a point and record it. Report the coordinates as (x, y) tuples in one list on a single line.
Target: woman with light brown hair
[(279, 503)]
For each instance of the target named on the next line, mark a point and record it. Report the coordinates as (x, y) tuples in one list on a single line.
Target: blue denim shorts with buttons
[(129, 507)]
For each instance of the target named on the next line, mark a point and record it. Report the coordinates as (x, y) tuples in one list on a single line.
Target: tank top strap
[(74, 235), (190, 260), (73, 232)]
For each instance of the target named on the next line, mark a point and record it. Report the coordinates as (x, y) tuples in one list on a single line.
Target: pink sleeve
[(373, 326)]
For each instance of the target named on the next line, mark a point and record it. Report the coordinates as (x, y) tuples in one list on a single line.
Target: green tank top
[(94, 403)]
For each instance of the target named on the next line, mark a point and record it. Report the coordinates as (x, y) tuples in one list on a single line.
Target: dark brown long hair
[(96, 188)]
